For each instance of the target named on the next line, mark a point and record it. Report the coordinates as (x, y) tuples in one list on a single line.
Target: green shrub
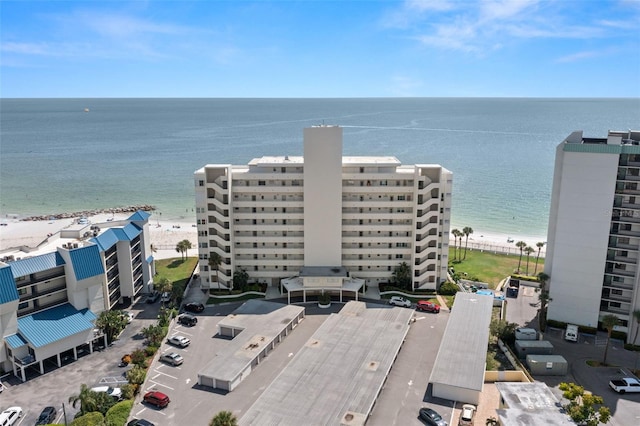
[(448, 288), (151, 350), (119, 413), (620, 335), (139, 357), (95, 418), (630, 347), (556, 324), (136, 375), (324, 299), (129, 390)]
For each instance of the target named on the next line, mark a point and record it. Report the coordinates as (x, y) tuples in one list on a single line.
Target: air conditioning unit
[(64, 245), (75, 245)]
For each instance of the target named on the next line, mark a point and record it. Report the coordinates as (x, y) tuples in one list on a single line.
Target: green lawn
[(176, 270), (492, 268)]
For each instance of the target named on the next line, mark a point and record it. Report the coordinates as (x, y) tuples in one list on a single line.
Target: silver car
[(172, 358), (181, 341)]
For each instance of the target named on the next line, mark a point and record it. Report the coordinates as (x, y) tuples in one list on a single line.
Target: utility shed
[(530, 404), (337, 375), (256, 327), (533, 347), (458, 372), (547, 365)]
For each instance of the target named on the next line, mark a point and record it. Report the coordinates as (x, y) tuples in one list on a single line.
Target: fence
[(502, 249)]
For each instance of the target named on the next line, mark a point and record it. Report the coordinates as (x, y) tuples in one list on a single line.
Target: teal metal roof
[(106, 240), (110, 237), (15, 341), (32, 265), (46, 327), (139, 215), (8, 291), (86, 262)]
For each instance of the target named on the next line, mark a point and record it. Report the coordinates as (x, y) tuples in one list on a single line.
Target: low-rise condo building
[(323, 221), (594, 231), (50, 295)]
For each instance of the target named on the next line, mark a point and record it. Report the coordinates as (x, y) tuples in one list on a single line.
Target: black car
[(47, 416), (188, 320), (431, 417), (194, 307), (140, 422)]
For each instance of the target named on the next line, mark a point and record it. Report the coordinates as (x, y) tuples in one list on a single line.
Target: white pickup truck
[(626, 384)]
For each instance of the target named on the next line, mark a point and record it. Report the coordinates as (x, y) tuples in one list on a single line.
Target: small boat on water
[(509, 240), (86, 110)]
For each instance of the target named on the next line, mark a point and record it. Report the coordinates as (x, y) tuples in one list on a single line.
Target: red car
[(158, 399), (426, 306)]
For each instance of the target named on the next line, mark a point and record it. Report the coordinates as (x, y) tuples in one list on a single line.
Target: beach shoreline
[(17, 232), (164, 235)]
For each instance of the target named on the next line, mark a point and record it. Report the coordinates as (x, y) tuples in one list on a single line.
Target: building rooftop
[(51, 325), (260, 323), (530, 404), (462, 355), (336, 377)]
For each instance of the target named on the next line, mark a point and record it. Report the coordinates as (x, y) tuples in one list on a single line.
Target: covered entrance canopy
[(318, 279)]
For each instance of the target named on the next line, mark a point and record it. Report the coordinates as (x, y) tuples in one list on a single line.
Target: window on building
[(200, 183)]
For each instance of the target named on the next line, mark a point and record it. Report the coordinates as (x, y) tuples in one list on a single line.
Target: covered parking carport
[(48, 334), (458, 372)]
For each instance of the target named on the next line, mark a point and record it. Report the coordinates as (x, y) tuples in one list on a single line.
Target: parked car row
[(422, 305), (432, 418)]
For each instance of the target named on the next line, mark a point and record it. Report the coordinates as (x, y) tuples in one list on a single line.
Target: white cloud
[(578, 56), (487, 25)]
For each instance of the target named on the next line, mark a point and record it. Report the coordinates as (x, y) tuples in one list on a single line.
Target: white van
[(571, 333), (526, 334)]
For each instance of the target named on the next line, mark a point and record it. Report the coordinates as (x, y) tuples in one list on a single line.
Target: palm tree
[(491, 421), (87, 399), (224, 418), (467, 230), (609, 321), (214, 263), (401, 276), (539, 245), (456, 233), (528, 250), (182, 247), (521, 245), (111, 323), (162, 284)]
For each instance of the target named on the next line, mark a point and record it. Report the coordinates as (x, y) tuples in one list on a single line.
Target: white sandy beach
[(164, 235)]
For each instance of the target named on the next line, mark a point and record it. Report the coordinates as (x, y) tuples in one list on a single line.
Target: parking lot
[(404, 392), (191, 404), (56, 386)]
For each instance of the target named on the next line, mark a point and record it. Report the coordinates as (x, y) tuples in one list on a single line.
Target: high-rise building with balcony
[(324, 218), (594, 230)]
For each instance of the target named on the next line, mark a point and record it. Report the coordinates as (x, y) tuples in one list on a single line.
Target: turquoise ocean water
[(55, 157)]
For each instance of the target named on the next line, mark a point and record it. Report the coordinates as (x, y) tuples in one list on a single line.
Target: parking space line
[(160, 384), (160, 373)]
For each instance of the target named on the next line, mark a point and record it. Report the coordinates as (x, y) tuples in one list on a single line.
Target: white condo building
[(594, 230), (323, 220)]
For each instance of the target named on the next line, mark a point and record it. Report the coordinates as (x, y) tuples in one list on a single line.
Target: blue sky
[(432, 48)]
